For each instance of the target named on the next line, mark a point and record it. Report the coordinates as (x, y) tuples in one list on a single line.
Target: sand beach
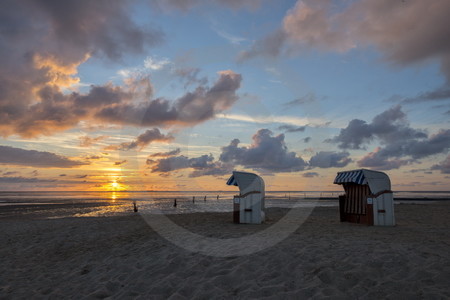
[(122, 257)]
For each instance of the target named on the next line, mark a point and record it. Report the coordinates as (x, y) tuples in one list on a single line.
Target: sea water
[(117, 202)]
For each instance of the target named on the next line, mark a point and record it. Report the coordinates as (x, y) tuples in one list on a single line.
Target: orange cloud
[(59, 73)]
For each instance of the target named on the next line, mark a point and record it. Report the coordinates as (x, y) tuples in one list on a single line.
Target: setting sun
[(115, 185)]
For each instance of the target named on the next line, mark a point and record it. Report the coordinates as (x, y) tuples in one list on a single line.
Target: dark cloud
[(443, 166), (149, 136), (439, 94), (190, 76), (290, 128), (93, 157), (56, 111), (182, 162), (310, 174), (267, 152), (190, 109), (218, 169), (400, 144), (119, 163), (166, 154), (389, 127), (42, 159), (403, 152), (21, 179), (405, 32), (185, 5), (112, 104), (202, 165), (42, 43), (271, 46), (329, 159), (10, 173), (382, 160), (75, 28)]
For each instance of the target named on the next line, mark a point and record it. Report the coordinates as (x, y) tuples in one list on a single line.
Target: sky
[(175, 95)]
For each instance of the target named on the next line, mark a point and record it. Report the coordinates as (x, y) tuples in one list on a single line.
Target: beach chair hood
[(377, 181), (247, 182)]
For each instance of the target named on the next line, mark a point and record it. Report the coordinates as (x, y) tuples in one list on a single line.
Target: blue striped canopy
[(356, 176), (232, 181)]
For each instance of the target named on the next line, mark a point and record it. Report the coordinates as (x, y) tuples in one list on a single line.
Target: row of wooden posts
[(135, 208)]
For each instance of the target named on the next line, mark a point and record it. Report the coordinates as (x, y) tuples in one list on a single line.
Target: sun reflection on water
[(113, 196)]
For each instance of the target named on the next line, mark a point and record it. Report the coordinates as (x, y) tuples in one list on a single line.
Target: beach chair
[(249, 205), (368, 197)]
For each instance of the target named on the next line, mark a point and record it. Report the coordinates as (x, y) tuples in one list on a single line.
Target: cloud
[(149, 136), (21, 179), (86, 141), (166, 154), (267, 152), (354, 135), (93, 157), (403, 152), (190, 109), (307, 139), (310, 174), (155, 63), (308, 98), (380, 159), (329, 159), (312, 25), (271, 45), (202, 165), (10, 173), (405, 32), (443, 166), (217, 169), (400, 144), (17, 156), (190, 76), (289, 120), (389, 127), (290, 128), (57, 111), (233, 39), (119, 163), (439, 94), (185, 5), (42, 44)]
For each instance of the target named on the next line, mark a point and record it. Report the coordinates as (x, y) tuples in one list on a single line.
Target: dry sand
[(123, 257)]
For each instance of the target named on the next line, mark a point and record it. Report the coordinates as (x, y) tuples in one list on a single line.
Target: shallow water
[(86, 204)]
